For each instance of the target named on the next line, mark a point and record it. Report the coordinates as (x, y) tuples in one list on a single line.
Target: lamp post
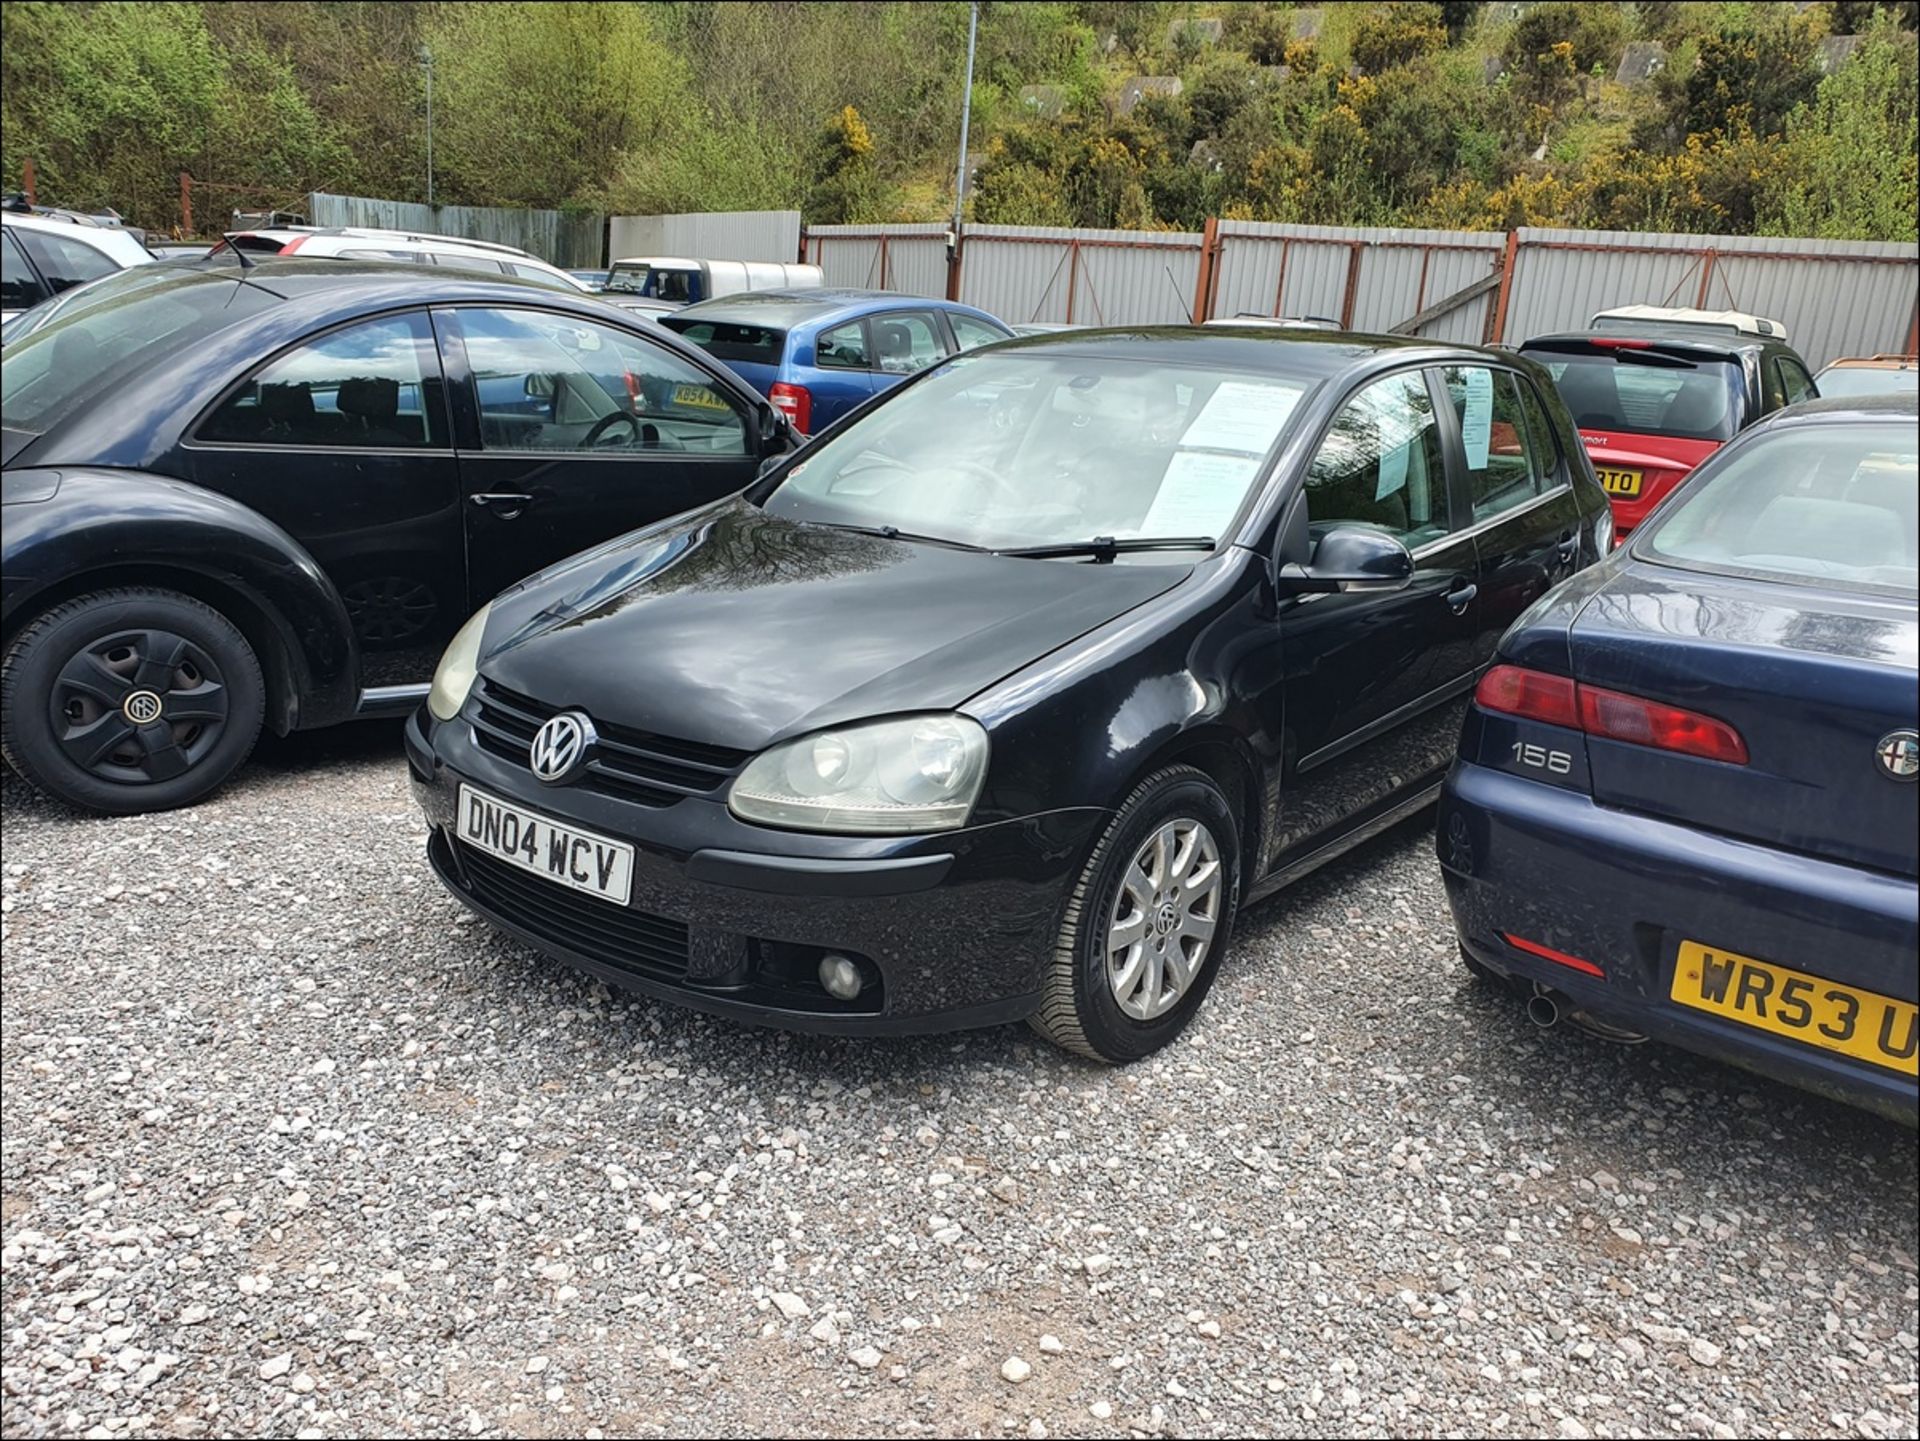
[(960, 170), (426, 59)]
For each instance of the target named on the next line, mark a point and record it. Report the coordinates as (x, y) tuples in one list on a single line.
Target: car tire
[(1089, 1005), (129, 700)]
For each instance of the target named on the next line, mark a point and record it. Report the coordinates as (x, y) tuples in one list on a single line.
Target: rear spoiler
[(1632, 350)]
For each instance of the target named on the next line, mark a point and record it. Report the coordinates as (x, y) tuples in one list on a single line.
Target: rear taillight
[(1556, 700), (1610, 344), (1642, 722), (793, 401), (1514, 690)]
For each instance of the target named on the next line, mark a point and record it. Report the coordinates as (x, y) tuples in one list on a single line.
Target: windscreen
[(1832, 503), (121, 331), (1867, 380), (628, 279), (1646, 392), (755, 344), (1019, 449)]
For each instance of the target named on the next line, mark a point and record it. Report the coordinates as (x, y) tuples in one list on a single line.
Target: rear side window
[(374, 386), (19, 288), (906, 342), (64, 262), (1504, 467), (842, 348), (1796, 381), (755, 344), (968, 332), (1835, 504), (1645, 393)]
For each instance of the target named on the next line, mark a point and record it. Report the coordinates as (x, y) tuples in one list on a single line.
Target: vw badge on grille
[(560, 746), (1899, 754)]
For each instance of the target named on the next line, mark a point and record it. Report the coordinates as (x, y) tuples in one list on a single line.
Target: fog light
[(840, 976)]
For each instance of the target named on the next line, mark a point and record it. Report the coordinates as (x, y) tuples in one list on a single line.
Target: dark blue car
[(1685, 801), (816, 354)]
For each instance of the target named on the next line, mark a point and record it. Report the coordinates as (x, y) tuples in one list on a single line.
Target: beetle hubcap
[(1163, 919), (139, 706)]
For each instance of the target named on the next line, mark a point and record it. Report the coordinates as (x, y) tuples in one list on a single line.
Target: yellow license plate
[(1618, 482), (697, 395), (1857, 1023)]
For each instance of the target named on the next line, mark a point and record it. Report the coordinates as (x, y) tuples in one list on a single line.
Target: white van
[(666, 282)]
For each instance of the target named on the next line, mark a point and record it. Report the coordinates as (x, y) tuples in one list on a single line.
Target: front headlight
[(888, 777), (454, 678)]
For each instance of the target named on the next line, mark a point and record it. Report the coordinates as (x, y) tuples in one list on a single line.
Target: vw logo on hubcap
[(560, 746), (1899, 754), (142, 707)]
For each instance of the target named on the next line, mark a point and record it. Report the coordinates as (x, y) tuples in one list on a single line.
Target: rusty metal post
[(953, 266), (26, 182), (1913, 333), (1280, 286), (1707, 263), (1420, 295), (1497, 327), (1202, 289), (1073, 275), (186, 204), (1353, 283)]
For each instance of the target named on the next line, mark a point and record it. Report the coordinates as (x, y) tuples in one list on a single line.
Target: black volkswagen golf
[(1000, 698)]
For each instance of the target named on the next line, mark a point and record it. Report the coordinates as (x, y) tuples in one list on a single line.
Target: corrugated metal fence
[(1835, 297), (717, 235), (567, 238)]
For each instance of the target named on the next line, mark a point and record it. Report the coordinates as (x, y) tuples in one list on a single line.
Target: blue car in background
[(816, 354), (1685, 803)]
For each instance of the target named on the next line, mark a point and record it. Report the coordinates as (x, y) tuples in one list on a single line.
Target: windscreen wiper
[(1106, 547), (893, 532)]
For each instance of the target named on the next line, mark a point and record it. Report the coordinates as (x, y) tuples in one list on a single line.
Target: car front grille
[(621, 936), (633, 765)]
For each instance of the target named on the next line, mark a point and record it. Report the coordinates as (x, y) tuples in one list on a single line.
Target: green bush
[(1392, 35)]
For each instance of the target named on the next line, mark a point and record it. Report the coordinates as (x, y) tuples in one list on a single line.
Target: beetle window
[(1380, 465), (374, 386)]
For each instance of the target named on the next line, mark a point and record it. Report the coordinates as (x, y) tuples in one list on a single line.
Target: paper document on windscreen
[(1241, 415), (1476, 422), (1198, 494)]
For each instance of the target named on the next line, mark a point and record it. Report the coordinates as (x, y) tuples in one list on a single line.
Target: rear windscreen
[(755, 344), (1648, 393), (1833, 503)]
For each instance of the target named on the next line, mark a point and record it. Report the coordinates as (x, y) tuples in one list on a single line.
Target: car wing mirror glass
[(540, 387), (1350, 558)]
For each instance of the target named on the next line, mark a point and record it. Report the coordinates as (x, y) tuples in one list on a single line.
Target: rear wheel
[(127, 701), (1147, 923)]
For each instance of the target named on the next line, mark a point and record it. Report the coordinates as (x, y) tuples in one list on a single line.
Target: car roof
[(1293, 351), (337, 283), (1741, 321), (1708, 344), (1888, 406), (784, 309)]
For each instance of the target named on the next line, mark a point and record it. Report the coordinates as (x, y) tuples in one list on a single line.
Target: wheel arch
[(1225, 758)]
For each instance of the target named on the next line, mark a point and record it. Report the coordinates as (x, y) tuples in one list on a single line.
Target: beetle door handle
[(503, 504), (1461, 598)]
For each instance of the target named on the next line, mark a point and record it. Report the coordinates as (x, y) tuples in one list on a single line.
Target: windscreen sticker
[(1476, 423), (1393, 471), (1242, 416), (1198, 494)]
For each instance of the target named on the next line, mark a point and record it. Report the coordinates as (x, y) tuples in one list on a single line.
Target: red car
[(1654, 400)]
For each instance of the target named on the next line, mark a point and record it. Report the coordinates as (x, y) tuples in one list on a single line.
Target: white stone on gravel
[(1015, 1369), (790, 1305), (276, 1367), (865, 1357), (1051, 1345)]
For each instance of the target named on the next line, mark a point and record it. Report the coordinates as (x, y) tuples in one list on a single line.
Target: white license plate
[(563, 854)]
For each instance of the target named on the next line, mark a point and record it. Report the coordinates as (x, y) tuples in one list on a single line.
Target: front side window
[(554, 382), (968, 332), (1797, 383), (842, 348), (1834, 504), (19, 287), (1380, 465), (65, 262), (906, 342), (1503, 470), (372, 386), (1006, 449)]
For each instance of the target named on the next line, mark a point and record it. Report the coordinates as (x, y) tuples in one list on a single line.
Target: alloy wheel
[(1163, 919)]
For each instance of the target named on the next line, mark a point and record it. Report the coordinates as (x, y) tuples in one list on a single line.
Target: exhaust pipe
[(1543, 1010)]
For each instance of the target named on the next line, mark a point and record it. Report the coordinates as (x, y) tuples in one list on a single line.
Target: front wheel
[(127, 701), (1147, 922)]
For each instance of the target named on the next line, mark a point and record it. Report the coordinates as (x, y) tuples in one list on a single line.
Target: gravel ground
[(291, 1146)]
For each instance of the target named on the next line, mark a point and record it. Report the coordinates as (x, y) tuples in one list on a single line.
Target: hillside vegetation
[(1458, 115)]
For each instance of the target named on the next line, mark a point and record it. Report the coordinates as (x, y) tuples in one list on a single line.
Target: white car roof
[(1738, 320), (109, 240), (673, 260)]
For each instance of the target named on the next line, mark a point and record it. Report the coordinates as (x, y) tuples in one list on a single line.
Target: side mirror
[(540, 387), (1349, 558)]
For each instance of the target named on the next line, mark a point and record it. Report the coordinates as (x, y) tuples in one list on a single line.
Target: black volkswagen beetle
[(269, 494), (1000, 698)]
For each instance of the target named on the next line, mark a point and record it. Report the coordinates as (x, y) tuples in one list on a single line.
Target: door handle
[(502, 504), (1458, 600), (1569, 548)]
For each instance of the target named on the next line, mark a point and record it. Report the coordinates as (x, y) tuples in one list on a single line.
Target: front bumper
[(1623, 891), (950, 931)]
